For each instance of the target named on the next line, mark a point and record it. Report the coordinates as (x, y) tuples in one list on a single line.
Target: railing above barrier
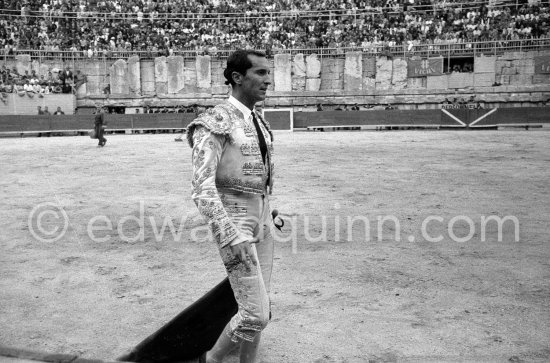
[(452, 49)]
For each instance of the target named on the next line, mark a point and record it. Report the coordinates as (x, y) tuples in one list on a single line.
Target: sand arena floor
[(452, 290)]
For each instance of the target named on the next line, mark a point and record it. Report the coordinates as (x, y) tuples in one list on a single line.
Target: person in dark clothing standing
[(100, 126)]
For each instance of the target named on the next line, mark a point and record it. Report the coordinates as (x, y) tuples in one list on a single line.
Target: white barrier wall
[(14, 104)]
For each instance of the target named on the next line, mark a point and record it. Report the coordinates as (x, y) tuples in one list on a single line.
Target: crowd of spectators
[(470, 103), (354, 107), (45, 111), (94, 27), (195, 109), (30, 84)]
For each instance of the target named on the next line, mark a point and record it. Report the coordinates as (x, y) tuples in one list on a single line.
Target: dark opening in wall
[(116, 109), (462, 64)]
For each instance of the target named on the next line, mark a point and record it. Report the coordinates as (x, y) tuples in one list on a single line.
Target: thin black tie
[(261, 139)]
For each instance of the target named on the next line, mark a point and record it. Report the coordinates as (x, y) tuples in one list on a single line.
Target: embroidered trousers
[(252, 216)]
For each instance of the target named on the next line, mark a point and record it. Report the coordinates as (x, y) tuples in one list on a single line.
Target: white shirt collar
[(244, 110)]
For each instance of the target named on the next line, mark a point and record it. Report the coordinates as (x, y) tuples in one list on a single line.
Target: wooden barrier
[(460, 118), (280, 118), (514, 117), (11, 124), (372, 118), (453, 118), (71, 122), (167, 121), (43, 123)]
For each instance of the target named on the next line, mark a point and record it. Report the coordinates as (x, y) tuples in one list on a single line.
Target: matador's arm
[(207, 152)]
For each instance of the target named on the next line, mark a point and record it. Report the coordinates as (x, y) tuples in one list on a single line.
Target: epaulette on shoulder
[(217, 120)]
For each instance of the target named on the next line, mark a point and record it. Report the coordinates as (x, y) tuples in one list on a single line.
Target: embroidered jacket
[(226, 155)]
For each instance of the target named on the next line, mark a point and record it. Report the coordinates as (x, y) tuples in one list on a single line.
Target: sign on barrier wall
[(425, 67)]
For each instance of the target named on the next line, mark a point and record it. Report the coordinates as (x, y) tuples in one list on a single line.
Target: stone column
[(82, 91), (353, 71), (484, 71), (134, 76), (384, 70), (313, 73), (161, 76), (23, 63), (95, 74), (299, 73), (369, 73), (175, 74), (218, 80), (399, 73), (282, 73), (119, 77), (147, 76), (204, 73), (190, 72)]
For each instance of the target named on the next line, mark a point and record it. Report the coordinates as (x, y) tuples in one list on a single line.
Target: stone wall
[(515, 68), (484, 71), (360, 77)]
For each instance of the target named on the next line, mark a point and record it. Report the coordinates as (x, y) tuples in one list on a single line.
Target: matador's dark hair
[(238, 62)]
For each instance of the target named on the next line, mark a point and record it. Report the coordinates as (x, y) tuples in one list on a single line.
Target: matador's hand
[(243, 251)]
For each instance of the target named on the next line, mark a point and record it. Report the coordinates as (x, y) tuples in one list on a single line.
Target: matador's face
[(256, 80)]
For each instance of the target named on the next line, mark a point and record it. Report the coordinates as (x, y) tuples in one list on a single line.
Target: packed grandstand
[(93, 28)]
